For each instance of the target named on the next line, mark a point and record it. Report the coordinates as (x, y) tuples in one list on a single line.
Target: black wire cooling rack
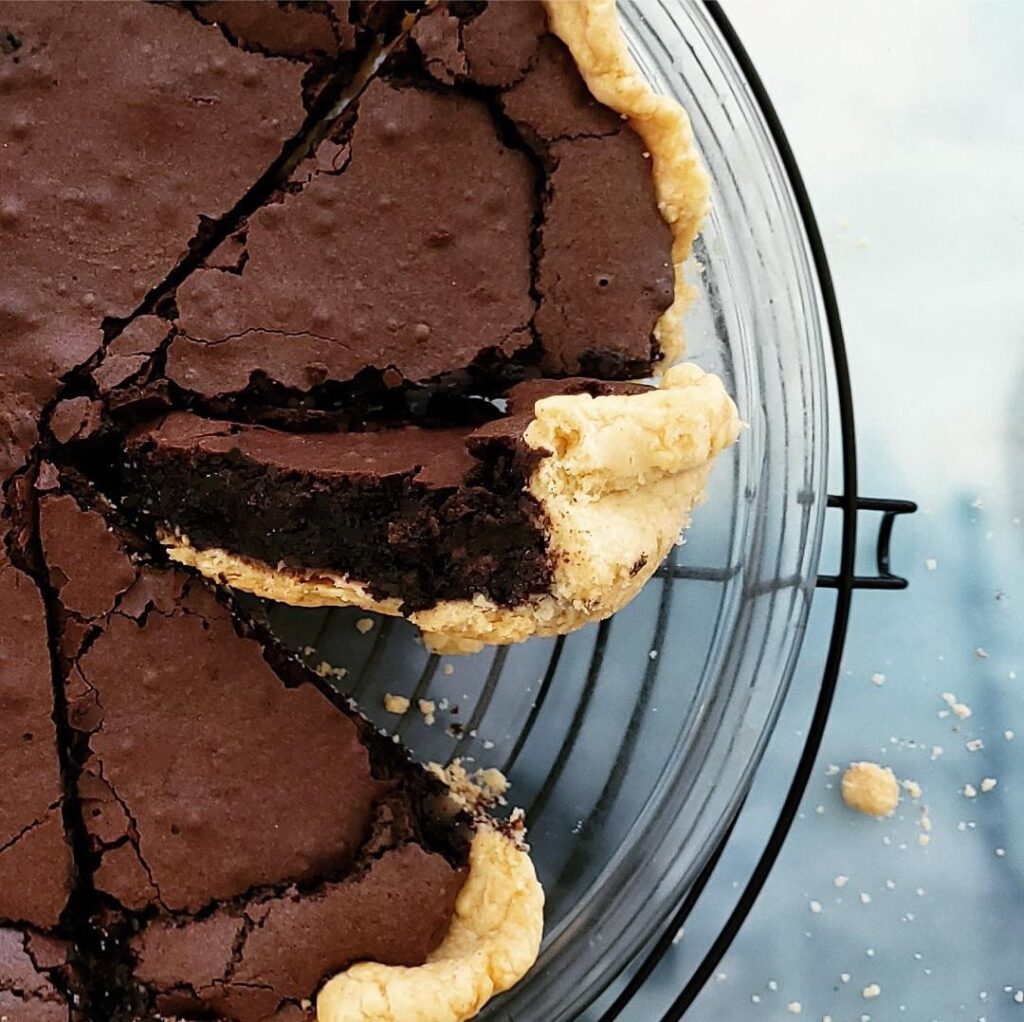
[(845, 582)]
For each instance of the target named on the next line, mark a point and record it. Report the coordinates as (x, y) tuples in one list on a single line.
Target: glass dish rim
[(631, 940)]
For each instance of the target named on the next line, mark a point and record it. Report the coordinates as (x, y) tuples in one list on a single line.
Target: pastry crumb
[(448, 669), (877, 678), (364, 625), (931, 563), (395, 704), (427, 708), (988, 784), (493, 779), (912, 788), (871, 990), (326, 670), (870, 789), (794, 1007), (841, 880), (481, 789), (969, 791), (962, 710)]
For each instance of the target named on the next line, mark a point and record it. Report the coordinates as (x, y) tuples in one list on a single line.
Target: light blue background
[(907, 119)]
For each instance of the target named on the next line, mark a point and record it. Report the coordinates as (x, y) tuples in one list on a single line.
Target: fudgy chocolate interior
[(420, 514)]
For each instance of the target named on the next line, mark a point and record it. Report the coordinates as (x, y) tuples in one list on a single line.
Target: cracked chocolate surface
[(310, 31), (28, 964), (603, 272), (258, 835), (261, 960), (475, 216), (414, 255), (91, 220), (35, 875)]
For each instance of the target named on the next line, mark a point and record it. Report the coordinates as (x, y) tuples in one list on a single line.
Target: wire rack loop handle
[(884, 579)]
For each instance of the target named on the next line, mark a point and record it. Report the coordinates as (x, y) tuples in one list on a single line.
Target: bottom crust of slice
[(450, 627)]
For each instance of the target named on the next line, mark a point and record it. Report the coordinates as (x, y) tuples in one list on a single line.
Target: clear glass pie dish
[(631, 744)]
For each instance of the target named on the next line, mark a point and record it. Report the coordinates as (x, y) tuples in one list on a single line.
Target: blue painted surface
[(906, 119)]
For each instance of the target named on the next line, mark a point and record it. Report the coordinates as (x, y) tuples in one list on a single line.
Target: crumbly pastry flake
[(493, 940), (591, 31), (870, 789), (621, 480), (475, 792)]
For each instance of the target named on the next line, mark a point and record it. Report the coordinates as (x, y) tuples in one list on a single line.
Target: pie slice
[(249, 836), (347, 306), (534, 523), (289, 458)]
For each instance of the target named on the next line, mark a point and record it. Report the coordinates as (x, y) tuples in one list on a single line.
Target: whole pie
[(359, 303)]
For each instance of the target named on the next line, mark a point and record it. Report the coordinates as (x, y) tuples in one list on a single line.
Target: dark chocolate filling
[(420, 515)]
